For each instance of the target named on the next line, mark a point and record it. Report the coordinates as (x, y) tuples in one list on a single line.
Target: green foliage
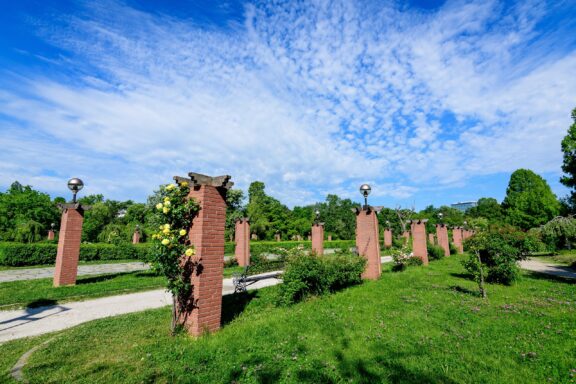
[(25, 214), (487, 208), (569, 161), (18, 254), (453, 249), (435, 252), (403, 258), (310, 275), (173, 252), (499, 248), (234, 211), (559, 232), (529, 201)]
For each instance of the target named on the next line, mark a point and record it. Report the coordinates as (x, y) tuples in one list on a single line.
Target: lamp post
[(440, 216), (388, 224), (365, 191), (75, 185), (317, 216)]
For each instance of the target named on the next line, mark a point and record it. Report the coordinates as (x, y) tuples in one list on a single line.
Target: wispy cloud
[(314, 98)]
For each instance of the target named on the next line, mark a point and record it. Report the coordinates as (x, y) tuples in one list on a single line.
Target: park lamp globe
[(365, 191), (75, 185), (317, 214), (440, 216)]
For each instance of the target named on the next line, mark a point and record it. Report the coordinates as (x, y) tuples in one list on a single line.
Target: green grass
[(424, 325), (39, 292)]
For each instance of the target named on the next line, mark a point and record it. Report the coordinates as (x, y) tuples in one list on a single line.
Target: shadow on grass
[(234, 304), (41, 303), (466, 276), (460, 289), (112, 276), (545, 276)]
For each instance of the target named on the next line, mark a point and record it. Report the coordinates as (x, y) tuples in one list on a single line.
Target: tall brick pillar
[(418, 229), (207, 235), (329, 237), (69, 244), (242, 233), (136, 237), (387, 238), (368, 241), (318, 238), (277, 237), (51, 234), (431, 239), (442, 236), (406, 236), (457, 238)]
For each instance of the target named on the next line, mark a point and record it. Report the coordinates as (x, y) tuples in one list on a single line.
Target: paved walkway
[(95, 269), (37, 321), (549, 269)]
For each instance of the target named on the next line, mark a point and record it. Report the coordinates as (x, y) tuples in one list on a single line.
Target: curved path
[(549, 269), (37, 321), (94, 269)]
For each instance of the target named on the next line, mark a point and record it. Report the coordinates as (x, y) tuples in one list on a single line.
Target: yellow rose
[(184, 184), (161, 227), (165, 209), (165, 226), (182, 232), (166, 230), (165, 242), (167, 203), (190, 252), (159, 206), (170, 187)]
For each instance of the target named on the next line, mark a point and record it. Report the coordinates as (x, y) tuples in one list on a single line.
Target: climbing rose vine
[(173, 254)]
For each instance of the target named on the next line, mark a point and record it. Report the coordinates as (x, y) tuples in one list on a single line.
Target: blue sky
[(429, 102)]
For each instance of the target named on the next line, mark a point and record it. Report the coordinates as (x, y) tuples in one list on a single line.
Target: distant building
[(465, 205)]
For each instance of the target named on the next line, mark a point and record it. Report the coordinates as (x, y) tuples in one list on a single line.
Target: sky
[(430, 102)]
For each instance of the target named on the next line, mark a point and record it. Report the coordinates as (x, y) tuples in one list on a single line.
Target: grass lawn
[(424, 325), (81, 262), (39, 292)]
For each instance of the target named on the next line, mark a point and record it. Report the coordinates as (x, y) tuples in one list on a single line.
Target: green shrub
[(310, 275), (19, 254), (264, 247), (499, 249), (403, 258), (453, 249), (435, 252)]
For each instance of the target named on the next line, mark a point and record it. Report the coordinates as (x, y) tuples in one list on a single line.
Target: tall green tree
[(26, 214), (529, 201), (569, 164), (489, 209)]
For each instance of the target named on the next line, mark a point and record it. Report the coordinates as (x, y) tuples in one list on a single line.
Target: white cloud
[(312, 99)]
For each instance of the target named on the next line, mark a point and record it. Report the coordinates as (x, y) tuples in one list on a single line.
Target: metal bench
[(249, 276)]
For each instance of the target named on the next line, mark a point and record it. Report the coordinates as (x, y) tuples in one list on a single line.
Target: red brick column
[(329, 237), (442, 235), (242, 251), (387, 238), (457, 239), (50, 235), (431, 238), (277, 237), (69, 244), (368, 242), (318, 238), (136, 237), (207, 236), (418, 229), (406, 236)]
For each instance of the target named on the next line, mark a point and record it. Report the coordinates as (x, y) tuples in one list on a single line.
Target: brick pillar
[(387, 238), (406, 236), (203, 313), (457, 239), (442, 235), (242, 251), (318, 238), (69, 244), (277, 237), (418, 229), (431, 239), (368, 241), (50, 234), (329, 237), (136, 237)]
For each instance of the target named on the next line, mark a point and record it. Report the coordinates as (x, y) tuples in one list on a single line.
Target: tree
[(569, 164), (26, 214), (234, 210), (487, 208), (529, 201)]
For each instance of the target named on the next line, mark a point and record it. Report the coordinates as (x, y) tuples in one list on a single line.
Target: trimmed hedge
[(259, 247), (20, 254)]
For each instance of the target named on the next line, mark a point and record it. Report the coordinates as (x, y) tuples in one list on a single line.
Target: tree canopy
[(569, 163)]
